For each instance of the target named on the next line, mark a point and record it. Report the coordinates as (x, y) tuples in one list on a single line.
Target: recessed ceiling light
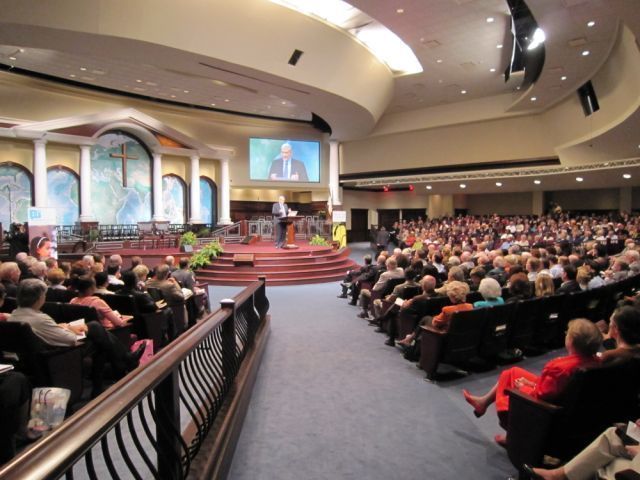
[(537, 182), (400, 10), (499, 45), (227, 100), (490, 19), (533, 99), (563, 78), (585, 53), (462, 185), (498, 184), (21, 50), (439, 60), (138, 80), (173, 96), (186, 91), (283, 103), (463, 92), (73, 75), (428, 187), (492, 70), (579, 179), (591, 23), (12, 58), (268, 106), (83, 69), (213, 104), (626, 176)]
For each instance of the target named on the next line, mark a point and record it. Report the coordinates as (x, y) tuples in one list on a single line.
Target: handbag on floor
[(148, 350), (48, 407)]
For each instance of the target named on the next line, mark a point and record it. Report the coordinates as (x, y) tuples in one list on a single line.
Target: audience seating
[(457, 346), (45, 366), (179, 312), (494, 339), (594, 399), (152, 325), (59, 295)]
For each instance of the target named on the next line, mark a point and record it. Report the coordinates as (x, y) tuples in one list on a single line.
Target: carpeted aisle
[(333, 402)]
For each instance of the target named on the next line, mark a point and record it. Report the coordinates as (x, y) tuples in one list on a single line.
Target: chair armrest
[(432, 342), (429, 330), (528, 427)]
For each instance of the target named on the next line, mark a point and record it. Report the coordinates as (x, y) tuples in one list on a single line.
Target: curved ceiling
[(233, 55)]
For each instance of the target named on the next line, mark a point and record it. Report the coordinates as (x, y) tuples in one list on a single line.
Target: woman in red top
[(582, 342), (86, 287)]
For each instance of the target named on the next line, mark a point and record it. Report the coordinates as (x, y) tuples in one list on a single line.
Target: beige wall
[(601, 199), (520, 203)]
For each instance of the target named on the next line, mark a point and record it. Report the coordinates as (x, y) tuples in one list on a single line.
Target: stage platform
[(306, 264), (241, 264)]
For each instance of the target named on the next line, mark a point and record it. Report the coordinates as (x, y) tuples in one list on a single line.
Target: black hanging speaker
[(588, 99)]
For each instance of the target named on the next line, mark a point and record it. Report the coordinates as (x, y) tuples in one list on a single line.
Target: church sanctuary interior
[(186, 187)]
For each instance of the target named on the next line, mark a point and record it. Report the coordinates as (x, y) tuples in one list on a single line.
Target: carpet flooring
[(333, 402)]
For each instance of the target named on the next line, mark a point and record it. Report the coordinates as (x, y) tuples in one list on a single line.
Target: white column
[(334, 172), (86, 214), (158, 210), (195, 190), (40, 172), (537, 202), (225, 193)]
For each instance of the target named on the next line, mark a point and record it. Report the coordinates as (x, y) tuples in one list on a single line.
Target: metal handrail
[(212, 348)]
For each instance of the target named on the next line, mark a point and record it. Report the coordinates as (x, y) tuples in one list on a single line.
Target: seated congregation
[(464, 296), (87, 323)]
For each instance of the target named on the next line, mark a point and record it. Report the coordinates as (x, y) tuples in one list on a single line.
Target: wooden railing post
[(168, 427), (229, 340)]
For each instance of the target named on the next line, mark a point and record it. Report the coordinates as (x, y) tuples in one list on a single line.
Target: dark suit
[(568, 287), (297, 168), (280, 228)]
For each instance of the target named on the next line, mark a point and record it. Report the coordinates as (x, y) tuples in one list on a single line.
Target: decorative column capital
[(40, 141)]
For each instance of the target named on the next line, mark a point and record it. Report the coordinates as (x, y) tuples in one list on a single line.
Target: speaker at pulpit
[(291, 230)]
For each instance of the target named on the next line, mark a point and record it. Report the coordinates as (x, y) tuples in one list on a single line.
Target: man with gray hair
[(284, 167), (101, 344)]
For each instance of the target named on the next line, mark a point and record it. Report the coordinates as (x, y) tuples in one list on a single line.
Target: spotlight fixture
[(490, 19), (537, 182), (463, 92), (591, 23), (538, 39), (400, 10), (533, 99), (579, 179), (385, 188), (439, 60), (626, 176), (498, 184), (462, 185), (499, 45), (492, 70), (563, 78), (428, 187), (585, 53), (411, 188)]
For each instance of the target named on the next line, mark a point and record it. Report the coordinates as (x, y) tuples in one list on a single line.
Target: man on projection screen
[(284, 167)]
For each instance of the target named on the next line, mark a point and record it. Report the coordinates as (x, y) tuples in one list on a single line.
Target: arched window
[(120, 179), (174, 192), (15, 193), (208, 201), (63, 193)]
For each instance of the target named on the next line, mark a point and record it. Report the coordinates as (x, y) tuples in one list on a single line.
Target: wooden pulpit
[(291, 231)]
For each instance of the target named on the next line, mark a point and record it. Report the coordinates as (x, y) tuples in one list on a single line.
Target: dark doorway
[(359, 225), (410, 214), (388, 217)]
